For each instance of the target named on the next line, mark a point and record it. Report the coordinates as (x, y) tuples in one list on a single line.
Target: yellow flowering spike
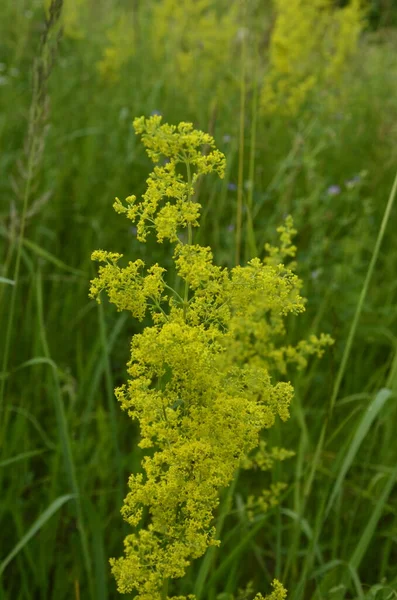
[(278, 254), (119, 49), (126, 287), (279, 592), (264, 459), (312, 43), (268, 498), (180, 144), (199, 378), (195, 32), (168, 204)]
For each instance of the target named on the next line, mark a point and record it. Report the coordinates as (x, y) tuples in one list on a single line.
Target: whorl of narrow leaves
[(199, 382)]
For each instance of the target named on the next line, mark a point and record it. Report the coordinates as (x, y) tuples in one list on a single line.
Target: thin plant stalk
[(111, 402), (34, 143), (251, 244), (240, 182), (64, 437)]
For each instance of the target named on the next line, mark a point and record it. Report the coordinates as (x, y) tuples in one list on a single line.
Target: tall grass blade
[(63, 432), (39, 251), (352, 333), (111, 401), (7, 281), (19, 457), (37, 525), (364, 426), (210, 554), (34, 145), (365, 539)]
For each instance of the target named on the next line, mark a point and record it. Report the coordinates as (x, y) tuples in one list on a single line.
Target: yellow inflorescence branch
[(199, 377)]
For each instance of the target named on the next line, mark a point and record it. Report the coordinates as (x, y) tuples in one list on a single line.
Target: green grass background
[(66, 448)]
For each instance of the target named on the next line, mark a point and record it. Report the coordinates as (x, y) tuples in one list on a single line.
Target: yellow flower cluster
[(119, 49), (168, 204), (191, 33), (199, 382), (126, 287), (278, 593), (264, 459), (311, 44), (177, 37), (268, 498)]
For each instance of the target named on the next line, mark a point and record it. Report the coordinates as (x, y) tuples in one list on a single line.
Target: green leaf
[(37, 525), (364, 426)]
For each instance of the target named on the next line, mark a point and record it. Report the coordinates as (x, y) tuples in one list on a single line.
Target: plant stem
[(164, 590), (240, 183), (189, 238), (42, 67)]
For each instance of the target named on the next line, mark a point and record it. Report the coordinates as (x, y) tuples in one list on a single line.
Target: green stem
[(239, 215), (65, 438), (164, 590), (41, 70), (189, 238), (251, 249), (210, 555), (11, 313), (111, 402)]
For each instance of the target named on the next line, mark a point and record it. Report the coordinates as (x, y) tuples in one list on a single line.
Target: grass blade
[(368, 532), (6, 280), (51, 258), (368, 418), (352, 333), (37, 525), (19, 457)]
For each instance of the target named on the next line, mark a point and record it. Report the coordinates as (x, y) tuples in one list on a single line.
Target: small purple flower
[(351, 183), (231, 186), (315, 274), (230, 228), (333, 190), (124, 113)]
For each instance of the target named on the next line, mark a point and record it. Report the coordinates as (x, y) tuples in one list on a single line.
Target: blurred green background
[(71, 81)]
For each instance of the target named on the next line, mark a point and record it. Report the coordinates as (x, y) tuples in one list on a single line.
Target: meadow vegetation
[(297, 102)]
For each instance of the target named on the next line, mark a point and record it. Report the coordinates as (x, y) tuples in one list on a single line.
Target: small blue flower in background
[(133, 230), (124, 114), (315, 274), (230, 228), (227, 138), (333, 190), (231, 186), (353, 182), (155, 112)]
